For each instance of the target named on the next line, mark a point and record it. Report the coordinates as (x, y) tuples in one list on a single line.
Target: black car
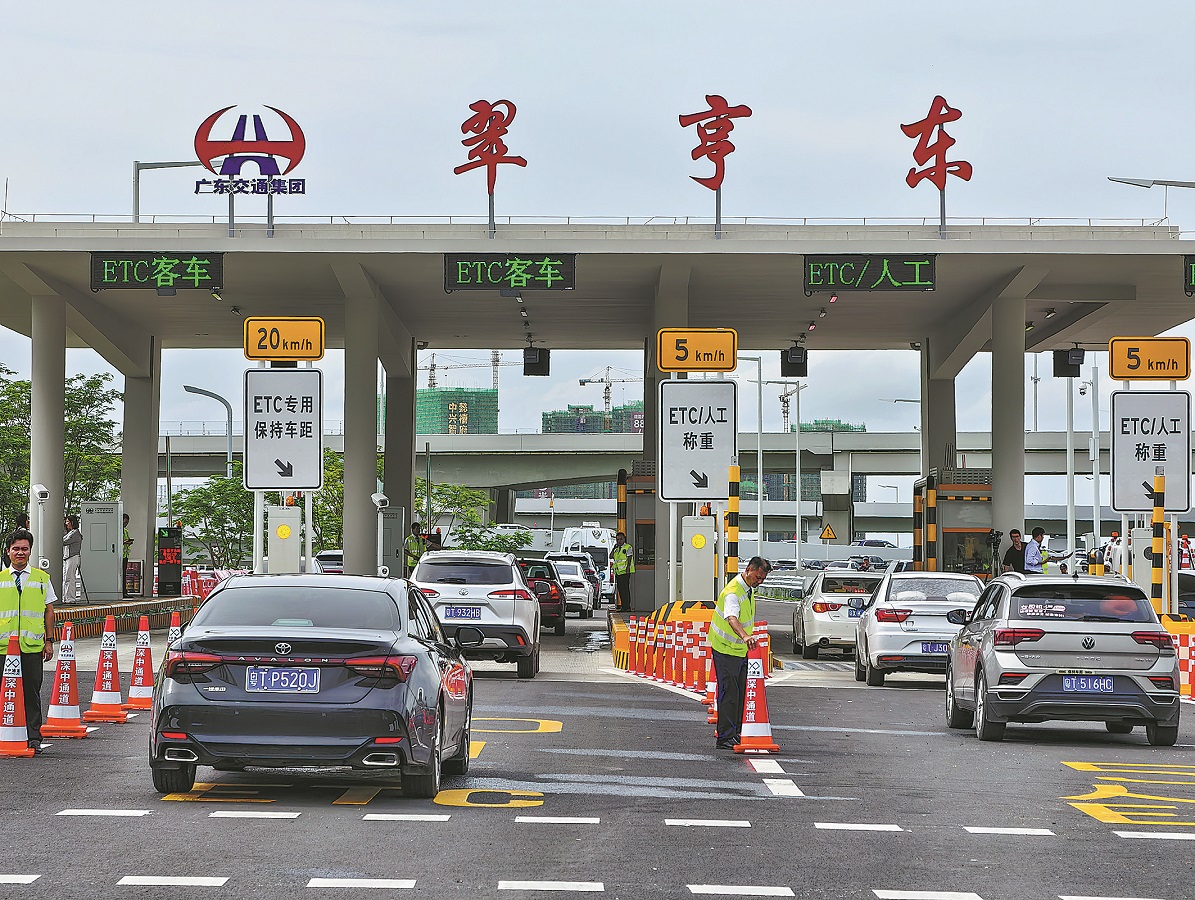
[(307, 670)]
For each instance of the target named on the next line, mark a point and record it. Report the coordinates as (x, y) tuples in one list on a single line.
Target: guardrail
[(782, 586)]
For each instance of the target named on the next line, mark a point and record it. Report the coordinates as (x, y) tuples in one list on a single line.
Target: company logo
[(1088, 643), (227, 156), (282, 649)]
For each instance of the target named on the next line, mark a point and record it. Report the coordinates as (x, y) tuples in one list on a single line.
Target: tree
[(471, 534), (451, 501), (14, 446), (92, 444), (327, 505), (216, 515)]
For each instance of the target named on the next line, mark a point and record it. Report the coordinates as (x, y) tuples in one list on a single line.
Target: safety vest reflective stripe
[(623, 559), (27, 619)]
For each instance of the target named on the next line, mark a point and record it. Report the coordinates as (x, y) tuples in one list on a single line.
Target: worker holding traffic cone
[(730, 638), (14, 737), (756, 729), (27, 614), (62, 718), (105, 697), (141, 690)]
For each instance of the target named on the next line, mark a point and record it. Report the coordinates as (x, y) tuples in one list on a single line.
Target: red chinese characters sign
[(932, 144), (713, 131), (486, 129)]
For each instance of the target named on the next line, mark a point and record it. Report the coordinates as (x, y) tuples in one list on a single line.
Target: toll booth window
[(645, 544), (967, 552)]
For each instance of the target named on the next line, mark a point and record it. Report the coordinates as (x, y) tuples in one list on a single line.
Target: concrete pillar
[(361, 343), (139, 465), (1008, 414), (938, 429), (47, 414), (398, 475), (504, 508)]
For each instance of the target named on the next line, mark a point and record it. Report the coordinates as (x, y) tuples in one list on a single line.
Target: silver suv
[(485, 590), (1070, 647)]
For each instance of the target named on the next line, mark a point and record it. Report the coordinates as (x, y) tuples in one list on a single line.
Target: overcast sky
[(1055, 97)]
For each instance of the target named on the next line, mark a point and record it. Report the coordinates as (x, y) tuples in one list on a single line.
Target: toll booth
[(952, 522), (100, 556)]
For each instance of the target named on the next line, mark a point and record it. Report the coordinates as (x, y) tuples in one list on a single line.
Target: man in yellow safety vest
[(622, 562), (415, 547), (27, 610), (730, 638)]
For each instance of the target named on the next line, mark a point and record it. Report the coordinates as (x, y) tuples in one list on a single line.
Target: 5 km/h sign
[(697, 349), (284, 429), (1150, 429), (284, 338), (1150, 358), (698, 435)]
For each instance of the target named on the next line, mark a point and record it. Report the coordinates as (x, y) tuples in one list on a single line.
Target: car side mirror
[(542, 589), (958, 617), (468, 636)]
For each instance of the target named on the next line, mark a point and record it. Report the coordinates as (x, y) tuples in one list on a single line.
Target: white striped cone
[(756, 730), (14, 736), (632, 643), (1183, 644), (106, 698), (62, 718)]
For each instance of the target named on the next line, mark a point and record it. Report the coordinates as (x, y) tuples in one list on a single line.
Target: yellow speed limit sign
[(1149, 358), (284, 337), (697, 349)]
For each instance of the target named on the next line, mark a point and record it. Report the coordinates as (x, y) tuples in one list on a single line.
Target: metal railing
[(782, 585)]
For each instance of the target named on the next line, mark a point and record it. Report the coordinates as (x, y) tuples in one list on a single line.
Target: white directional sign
[(284, 429), (698, 439), (1150, 429)]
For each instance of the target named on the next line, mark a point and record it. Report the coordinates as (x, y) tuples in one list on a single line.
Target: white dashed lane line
[(766, 766), (783, 787), (558, 820), (859, 826), (1157, 835), (976, 829), (18, 879), (742, 890), (1078, 897), (709, 823), (585, 887), (406, 817), (394, 883), (251, 814), (926, 895), (171, 881), (103, 812)]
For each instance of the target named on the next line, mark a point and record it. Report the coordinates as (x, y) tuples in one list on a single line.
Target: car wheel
[(809, 651), (956, 716), (587, 612), (458, 763), (173, 781), (425, 782), (860, 673), (985, 729), (560, 625), (1161, 735), (527, 666), (1118, 728)]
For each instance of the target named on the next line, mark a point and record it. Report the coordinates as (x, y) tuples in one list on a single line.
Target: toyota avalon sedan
[(319, 671)]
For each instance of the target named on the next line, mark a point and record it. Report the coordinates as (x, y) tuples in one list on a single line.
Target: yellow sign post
[(697, 349), (1149, 358), (279, 338)]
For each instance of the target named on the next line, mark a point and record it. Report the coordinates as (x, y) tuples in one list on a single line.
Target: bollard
[(632, 645), (1158, 549)]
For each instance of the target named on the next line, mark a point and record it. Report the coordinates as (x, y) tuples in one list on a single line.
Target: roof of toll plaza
[(1093, 280)]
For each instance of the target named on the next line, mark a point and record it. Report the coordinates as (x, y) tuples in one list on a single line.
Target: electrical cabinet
[(101, 555)]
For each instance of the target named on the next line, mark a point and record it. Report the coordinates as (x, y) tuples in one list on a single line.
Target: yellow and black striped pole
[(622, 500), (918, 534), (1158, 550), (732, 525), (931, 526)]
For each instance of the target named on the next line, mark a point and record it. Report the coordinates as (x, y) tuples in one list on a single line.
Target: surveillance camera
[(41, 492), (1083, 390), (383, 571), (380, 501)]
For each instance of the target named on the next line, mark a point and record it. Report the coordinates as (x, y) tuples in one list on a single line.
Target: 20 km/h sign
[(1150, 429), (284, 338), (698, 439), (1150, 358), (697, 349), (284, 430)]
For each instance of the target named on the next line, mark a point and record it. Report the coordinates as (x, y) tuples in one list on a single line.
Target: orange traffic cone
[(632, 646), (14, 736), (711, 694), (669, 649), (62, 718), (658, 674), (105, 697), (756, 732), (697, 678), (141, 689), (176, 629), (642, 650)]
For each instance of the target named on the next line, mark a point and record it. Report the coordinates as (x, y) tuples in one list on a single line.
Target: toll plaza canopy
[(383, 290)]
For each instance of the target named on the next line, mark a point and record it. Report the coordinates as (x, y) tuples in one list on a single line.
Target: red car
[(540, 574)]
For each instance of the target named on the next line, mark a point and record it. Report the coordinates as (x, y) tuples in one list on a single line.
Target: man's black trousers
[(31, 676), (732, 685)]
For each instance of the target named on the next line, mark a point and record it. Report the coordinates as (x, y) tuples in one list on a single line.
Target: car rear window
[(460, 571), (841, 585), (945, 590), (1083, 603), (537, 571), (298, 606), (568, 568)]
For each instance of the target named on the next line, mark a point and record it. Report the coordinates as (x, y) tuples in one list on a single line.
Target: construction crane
[(608, 381), (495, 362), (784, 402)]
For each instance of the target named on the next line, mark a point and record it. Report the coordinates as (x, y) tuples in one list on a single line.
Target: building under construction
[(452, 410), (624, 419)]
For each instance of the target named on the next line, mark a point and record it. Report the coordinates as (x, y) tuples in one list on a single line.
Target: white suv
[(485, 590)]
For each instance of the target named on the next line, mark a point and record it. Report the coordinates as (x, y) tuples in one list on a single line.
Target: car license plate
[(462, 612), (933, 646), (854, 613), (270, 680), (1089, 684)]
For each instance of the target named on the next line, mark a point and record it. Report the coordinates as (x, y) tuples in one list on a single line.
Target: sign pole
[(718, 214), (269, 212), (672, 569), (232, 228), (942, 213), (493, 225)]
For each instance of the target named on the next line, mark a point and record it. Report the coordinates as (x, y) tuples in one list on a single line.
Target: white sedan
[(578, 592), (824, 619)]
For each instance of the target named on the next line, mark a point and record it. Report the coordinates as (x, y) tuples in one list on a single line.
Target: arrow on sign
[(285, 470), (1149, 489), (699, 480)]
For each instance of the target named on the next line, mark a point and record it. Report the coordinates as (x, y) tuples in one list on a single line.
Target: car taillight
[(883, 614), (1163, 640), (399, 667), (429, 593), (555, 592), (182, 663), (387, 740), (174, 735), (1010, 637), (821, 607), (518, 594), (1165, 682)]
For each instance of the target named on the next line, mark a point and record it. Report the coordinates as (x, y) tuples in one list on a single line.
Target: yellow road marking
[(542, 726), (514, 799), (475, 748)]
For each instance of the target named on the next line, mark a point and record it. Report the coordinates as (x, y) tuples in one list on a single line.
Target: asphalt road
[(591, 780)]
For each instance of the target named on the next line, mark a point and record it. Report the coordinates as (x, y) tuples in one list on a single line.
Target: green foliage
[(14, 445), (217, 516), (451, 502), (470, 534), (92, 445), (327, 506)]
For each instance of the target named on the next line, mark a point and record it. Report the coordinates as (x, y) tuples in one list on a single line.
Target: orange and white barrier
[(106, 698), (14, 736), (141, 689), (62, 718), (756, 731), (176, 629)]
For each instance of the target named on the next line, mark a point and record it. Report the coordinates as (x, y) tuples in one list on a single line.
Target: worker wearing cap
[(415, 547), (622, 562), (731, 636)]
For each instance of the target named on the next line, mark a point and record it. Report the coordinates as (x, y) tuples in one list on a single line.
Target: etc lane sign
[(284, 429), (1150, 429), (698, 439)]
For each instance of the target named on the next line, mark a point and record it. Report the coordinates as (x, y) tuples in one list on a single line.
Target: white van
[(597, 541)]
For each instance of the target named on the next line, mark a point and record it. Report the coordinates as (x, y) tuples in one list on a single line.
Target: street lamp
[(191, 389), (758, 360), (794, 391), (138, 166), (1150, 182)]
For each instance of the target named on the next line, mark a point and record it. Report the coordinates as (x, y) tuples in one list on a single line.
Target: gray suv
[(1069, 647)]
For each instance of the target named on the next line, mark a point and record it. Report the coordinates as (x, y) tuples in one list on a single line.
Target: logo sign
[(284, 338), (1150, 358), (869, 273), (697, 349), (698, 439), (232, 154), (150, 271), (284, 429), (509, 272), (1150, 429)]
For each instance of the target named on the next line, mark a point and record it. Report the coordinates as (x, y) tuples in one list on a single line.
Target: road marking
[(742, 890), (251, 814), (104, 812), (768, 766), (18, 879), (358, 796), (475, 748), (172, 881), (578, 886), (1157, 835), (542, 726), (1078, 897), (709, 823), (400, 883), (783, 787), (832, 730), (926, 895), (975, 829), (558, 820), (405, 817), (658, 684), (859, 826)]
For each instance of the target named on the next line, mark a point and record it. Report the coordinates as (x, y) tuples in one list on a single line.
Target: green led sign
[(509, 272), (869, 272), (1189, 275), (150, 271)]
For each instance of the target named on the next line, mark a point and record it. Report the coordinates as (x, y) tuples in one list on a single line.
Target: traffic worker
[(27, 610), (622, 561), (731, 637), (415, 547)]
